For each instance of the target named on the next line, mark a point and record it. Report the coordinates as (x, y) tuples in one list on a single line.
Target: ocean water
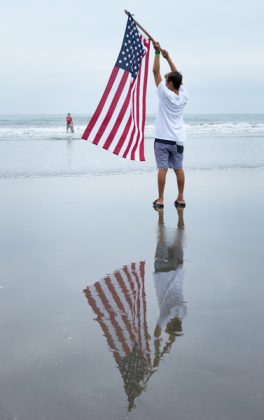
[(38, 146)]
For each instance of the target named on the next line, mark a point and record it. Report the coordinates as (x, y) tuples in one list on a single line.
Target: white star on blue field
[(132, 51)]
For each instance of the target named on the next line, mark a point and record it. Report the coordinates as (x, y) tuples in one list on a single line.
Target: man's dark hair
[(176, 78)]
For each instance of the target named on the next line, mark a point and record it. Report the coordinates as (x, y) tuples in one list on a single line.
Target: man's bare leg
[(161, 184), (180, 182)]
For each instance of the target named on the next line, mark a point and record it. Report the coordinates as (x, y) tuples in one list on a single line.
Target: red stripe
[(119, 119), (136, 295), (132, 156), (112, 107), (132, 286), (142, 270), (133, 122), (124, 289), (141, 146), (102, 102), (146, 333), (138, 302)]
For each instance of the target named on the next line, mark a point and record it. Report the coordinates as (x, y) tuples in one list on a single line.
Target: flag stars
[(132, 50)]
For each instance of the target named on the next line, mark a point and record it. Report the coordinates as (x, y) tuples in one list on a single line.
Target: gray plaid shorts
[(168, 154)]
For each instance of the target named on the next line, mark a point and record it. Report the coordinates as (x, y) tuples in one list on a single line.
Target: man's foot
[(157, 204), (179, 204)]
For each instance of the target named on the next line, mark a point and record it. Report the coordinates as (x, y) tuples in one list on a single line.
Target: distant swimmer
[(69, 123)]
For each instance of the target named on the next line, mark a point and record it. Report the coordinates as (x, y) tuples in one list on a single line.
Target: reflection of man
[(168, 278), (119, 302)]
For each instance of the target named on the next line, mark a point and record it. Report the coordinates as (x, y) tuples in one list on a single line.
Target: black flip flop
[(179, 205), (157, 206)]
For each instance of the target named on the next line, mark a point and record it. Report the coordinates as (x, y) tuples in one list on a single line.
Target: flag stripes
[(119, 120), (119, 302)]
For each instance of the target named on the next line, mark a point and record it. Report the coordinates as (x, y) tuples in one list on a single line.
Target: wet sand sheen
[(108, 306)]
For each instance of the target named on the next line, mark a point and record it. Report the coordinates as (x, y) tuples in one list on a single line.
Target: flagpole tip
[(128, 13)]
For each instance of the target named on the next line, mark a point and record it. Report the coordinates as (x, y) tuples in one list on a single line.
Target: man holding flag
[(118, 122), (169, 132)]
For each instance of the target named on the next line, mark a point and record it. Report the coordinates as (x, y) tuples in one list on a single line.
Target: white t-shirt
[(169, 120), (169, 289)]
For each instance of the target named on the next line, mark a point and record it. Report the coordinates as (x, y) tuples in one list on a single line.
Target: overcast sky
[(57, 55)]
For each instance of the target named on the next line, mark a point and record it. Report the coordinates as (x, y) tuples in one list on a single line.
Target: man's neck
[(176, 91), (170, 87)]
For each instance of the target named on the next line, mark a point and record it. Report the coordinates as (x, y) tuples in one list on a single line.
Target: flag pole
[(140, 27)]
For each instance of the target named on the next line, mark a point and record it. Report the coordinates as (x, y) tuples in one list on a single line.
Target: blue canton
[(132, 51)]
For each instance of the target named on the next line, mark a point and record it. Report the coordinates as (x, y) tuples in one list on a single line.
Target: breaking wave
[(201, 129)]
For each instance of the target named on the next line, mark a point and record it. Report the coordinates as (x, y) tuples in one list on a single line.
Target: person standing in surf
[(69, 123), (169, 131)]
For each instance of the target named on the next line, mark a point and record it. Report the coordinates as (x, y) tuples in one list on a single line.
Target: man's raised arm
[(156, 64), (170, 62)]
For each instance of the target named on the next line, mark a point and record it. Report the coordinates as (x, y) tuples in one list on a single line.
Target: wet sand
[(109, 309)]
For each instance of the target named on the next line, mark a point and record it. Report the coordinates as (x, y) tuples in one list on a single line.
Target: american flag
[(119, 302), (118, 122)]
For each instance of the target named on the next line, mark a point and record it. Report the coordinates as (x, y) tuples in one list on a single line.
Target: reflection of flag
[(119, 302), (118, 122)]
